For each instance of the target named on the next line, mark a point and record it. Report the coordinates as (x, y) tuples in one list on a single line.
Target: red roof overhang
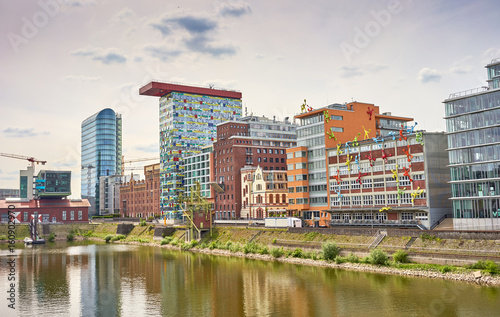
[(158, 89)]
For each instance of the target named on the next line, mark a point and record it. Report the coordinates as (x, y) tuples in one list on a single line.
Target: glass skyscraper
[(188, 119), (101, 152), (473, 128)]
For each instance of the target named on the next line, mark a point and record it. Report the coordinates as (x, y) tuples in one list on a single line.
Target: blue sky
[(64, 60)]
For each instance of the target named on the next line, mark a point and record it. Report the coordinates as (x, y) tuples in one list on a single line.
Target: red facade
[(49, 210)]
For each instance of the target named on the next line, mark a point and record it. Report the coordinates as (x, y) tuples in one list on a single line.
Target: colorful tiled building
[(188, 119)]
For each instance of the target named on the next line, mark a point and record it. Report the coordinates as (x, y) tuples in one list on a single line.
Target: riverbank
[(305, 249)]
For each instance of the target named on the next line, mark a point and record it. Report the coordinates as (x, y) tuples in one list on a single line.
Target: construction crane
[(137, 160), (32, 160)]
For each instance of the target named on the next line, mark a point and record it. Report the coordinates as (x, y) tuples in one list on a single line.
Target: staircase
[(380, 236), (409, 243), (446, 224)]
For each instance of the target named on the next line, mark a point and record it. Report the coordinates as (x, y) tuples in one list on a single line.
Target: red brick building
[(141, 198), (49, 210), (253, 141)]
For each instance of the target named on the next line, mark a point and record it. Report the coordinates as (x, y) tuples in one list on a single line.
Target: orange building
[(318, 130), (141, 198)]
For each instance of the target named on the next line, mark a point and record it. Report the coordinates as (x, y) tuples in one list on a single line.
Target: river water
[(89, 279)]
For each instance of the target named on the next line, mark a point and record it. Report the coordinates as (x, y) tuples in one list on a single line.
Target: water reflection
[(81, 279)]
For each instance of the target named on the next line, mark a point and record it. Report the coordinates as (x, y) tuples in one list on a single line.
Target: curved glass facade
[(473, 126), (101, 152)]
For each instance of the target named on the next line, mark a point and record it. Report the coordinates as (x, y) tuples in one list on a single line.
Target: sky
[(64, 60)]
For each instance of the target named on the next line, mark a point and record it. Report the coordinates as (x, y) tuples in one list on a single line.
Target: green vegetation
[(487, 266), (3, 237), (166, 240), (425, 236), (108, 237), (378, 257), (330, 251), (143, 223), (118, 237), (52, 237), (70, 237), (277, 252), (400, 256)]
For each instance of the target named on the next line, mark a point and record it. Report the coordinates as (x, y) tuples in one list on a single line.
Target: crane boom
[(32, 160)]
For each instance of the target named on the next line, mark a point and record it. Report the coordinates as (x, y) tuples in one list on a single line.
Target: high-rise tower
[(188, 116), (101, 152)]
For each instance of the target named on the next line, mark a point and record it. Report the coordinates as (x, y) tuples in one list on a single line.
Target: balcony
[(378, 223)]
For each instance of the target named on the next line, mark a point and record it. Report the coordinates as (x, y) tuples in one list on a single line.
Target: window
[(289, 167), (25, 216), (291, 189), (367, 183), (290, 178), (80, 214), (418, 177), (337, 129), (379, 199), (344, 185), (64, 215), (392, 199), (271, 160), (345, 200), (368, 200), (258, 150), (355, 184), (72, 215), (356, 201), (264, 151), (291, 201), (378, 182), (358, 216), (406, 216)]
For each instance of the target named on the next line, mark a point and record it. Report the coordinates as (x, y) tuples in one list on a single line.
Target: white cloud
[(426, 75), (105, 56), (23, 132), (81, 78), (234, 9)]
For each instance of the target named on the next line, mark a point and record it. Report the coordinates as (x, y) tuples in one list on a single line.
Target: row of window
[(312, 188), (373, 200), (473, 155), (473, 103), (476, 208), (377, 216), (368, 183), (476, 137), (476, 171), (475, 189)]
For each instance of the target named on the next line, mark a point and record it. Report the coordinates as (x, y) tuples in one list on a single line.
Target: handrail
[(441, 220)]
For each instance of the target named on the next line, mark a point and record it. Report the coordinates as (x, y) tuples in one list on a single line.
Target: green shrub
[(3, 237), (445, 269), (264, 250), (52, 237), (121, 236), (297, 253), (213, 245), (70, 237), (352, 258), (365, 260), (227, 246), (330, 251), (164, 241), (235, 248), (251, 247), (479, 265), (108, 238), (400, 256), (340, 259), (115, 238), (378, 257), (88, 234), (277, 252), (274, 240), (174, 241), (492, 267), (142, 223)]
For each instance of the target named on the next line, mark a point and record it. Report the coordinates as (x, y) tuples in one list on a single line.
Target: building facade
[(47, 210), (199, 169), (53, 184), (324, 128), (397, 181), (101, 153), (188, 119), (109, 194), (263, 192), (252, 141), (9, 193), (473, 128), (141, 198)]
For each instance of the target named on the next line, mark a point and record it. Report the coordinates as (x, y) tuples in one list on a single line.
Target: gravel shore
[(476, 277)]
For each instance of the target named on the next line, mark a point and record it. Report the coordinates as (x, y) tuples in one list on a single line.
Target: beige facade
[(264, 193)]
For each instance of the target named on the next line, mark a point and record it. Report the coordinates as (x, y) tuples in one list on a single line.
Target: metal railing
[(468, 92)]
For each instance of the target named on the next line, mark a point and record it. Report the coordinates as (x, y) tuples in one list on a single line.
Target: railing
[(468, 92), (377, 223), (441, 220)]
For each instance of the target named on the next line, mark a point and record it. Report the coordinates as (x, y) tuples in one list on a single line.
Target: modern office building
[(101, 153), (53, 184), (323, 128), (397, 181), (109, 194), (188, 119), (199, 169), (141, 198), (9, 193), (26, 178), (473, 128), (264, 193), (252, 141)]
